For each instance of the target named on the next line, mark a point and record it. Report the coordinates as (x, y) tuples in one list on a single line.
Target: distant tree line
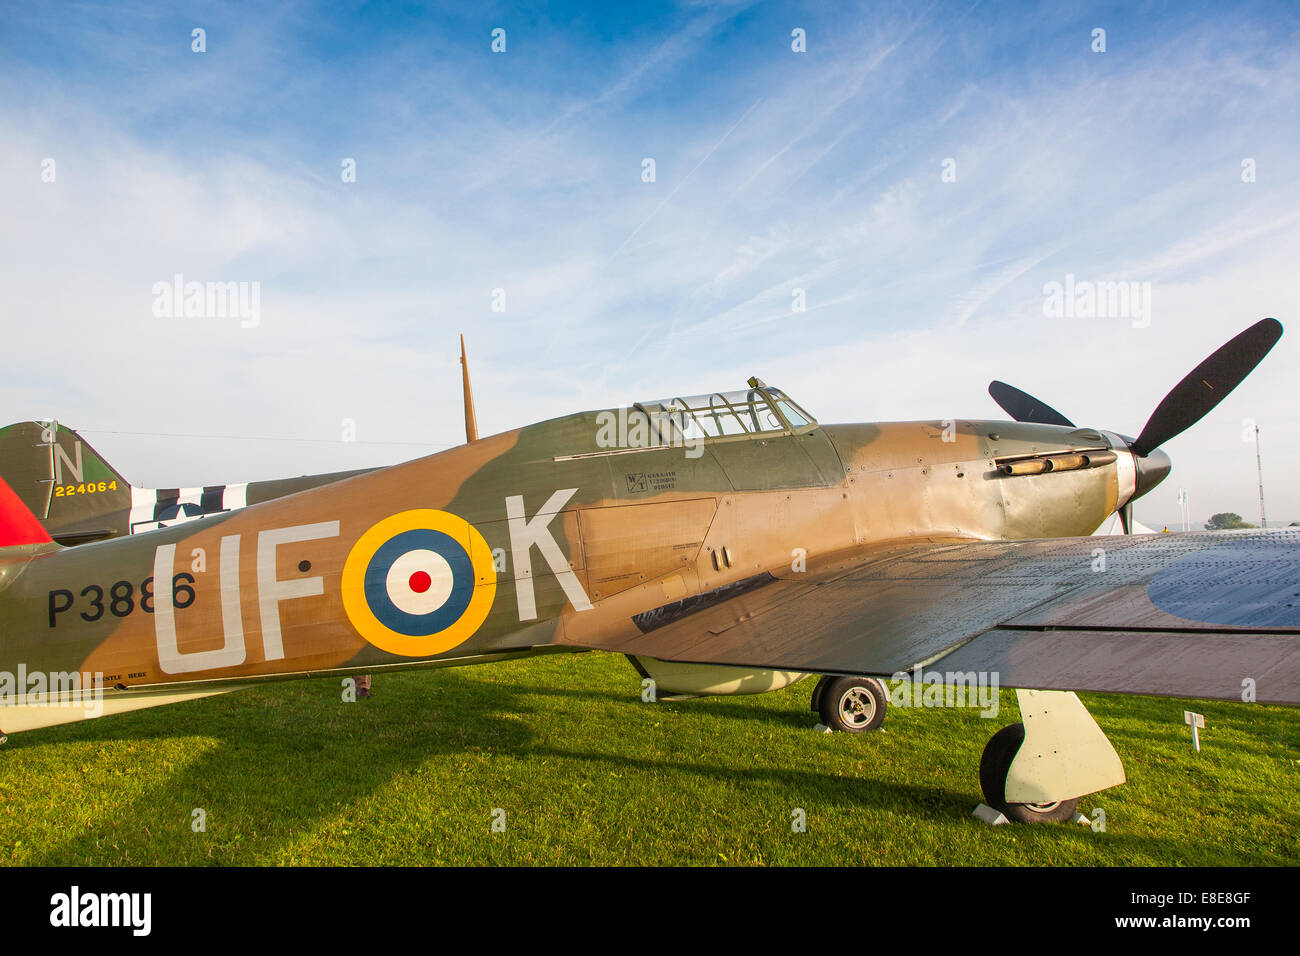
[(1225, 521)]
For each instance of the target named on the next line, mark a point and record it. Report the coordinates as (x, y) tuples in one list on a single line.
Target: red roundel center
[(420, 582)]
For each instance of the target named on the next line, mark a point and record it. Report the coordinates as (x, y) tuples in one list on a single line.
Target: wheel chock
[(989, 815)]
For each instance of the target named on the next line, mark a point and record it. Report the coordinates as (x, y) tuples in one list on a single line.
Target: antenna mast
[(471, 423), (1259, 468)]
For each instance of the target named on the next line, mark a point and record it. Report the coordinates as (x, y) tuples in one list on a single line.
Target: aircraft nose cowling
[(1151, 470)]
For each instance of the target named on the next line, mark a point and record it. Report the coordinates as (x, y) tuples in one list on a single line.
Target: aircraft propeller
[(1023, 407), (1187, 403)]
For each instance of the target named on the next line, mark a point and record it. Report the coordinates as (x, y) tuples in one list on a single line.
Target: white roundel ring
[(419, 582)]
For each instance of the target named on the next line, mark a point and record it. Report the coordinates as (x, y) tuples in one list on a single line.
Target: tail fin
[(61, 480), (17, 523)]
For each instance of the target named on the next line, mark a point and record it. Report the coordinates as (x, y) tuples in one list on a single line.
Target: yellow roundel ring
[(419, 583)]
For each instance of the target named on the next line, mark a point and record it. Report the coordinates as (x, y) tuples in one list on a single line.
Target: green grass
[(586, 773)]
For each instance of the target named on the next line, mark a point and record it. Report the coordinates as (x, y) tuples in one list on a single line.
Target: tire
[(815, 704), (852, 705), (995, 763)]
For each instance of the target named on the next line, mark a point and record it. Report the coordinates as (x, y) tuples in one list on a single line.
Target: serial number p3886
[(120, 600)]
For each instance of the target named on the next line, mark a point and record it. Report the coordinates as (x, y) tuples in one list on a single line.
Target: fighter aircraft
[(79, 497), (727, 543)]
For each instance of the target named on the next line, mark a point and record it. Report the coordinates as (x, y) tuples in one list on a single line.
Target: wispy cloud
[(520, 172)]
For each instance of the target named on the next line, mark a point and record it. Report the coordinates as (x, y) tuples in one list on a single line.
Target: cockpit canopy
[(752, 411)]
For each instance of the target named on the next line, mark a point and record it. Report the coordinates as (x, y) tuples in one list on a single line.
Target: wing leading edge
[(1187, 615)]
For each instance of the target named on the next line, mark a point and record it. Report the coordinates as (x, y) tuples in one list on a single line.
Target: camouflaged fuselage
[(562, 539)]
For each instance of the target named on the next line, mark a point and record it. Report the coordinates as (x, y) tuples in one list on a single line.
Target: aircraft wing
[(1185, 615)]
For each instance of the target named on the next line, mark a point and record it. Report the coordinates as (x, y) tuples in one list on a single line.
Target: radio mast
[(1259, 468)]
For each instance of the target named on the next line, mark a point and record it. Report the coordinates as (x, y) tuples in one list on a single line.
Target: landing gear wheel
[(994, 764), (851, 704)]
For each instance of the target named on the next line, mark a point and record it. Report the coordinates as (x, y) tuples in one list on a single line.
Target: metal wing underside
[(1184, 615)]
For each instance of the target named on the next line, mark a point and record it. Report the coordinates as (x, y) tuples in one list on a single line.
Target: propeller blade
[(1207, 385), (1126, 517), (1023, 407)]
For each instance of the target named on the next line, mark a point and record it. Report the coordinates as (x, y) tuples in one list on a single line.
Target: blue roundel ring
[(419, 625)]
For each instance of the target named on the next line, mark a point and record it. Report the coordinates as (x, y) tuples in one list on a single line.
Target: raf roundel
[(419, 583)]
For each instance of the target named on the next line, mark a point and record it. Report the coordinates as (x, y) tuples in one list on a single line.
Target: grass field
[(586, 773)]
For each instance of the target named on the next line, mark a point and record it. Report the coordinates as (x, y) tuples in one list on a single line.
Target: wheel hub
[(857, 706)]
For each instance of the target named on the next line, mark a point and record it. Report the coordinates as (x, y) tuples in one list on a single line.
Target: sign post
[(1195, 721)]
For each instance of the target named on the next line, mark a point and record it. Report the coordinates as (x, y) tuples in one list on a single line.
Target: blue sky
[(521, 171)]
